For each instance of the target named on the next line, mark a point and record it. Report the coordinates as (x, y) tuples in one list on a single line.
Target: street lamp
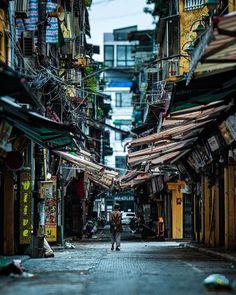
[(190, 49), (212, 5), (200, 29)]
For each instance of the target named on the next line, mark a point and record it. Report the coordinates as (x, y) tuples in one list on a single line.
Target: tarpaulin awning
[(172, 133), (97, 173), (101, 180), (82, 162), (193, 111), (174, 142), (217, 49), (129, 176), (168, 157), (140, 178), (203, 90), (159, 151), (39, 129), (17, 87)]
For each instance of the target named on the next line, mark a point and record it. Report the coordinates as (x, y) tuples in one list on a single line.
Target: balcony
[(193, 4), (21, 8), (154, 96)]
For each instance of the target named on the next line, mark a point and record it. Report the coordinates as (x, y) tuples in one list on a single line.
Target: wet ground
[(139, 268)]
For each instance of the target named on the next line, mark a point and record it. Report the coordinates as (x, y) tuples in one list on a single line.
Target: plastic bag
[(217, 281)]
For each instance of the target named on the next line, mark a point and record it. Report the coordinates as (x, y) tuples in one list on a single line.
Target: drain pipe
[(11, 44)]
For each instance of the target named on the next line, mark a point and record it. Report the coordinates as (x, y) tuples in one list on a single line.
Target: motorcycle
[(139, 226), (89, 229)]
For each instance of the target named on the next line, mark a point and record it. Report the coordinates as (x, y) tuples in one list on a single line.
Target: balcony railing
[(155, 96), (157, 77), (170, 67), (21, 8), (193, 4)]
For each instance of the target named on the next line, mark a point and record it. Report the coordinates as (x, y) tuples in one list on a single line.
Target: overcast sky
[(106, 15)]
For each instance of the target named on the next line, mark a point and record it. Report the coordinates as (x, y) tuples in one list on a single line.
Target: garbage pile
[(218, 282), (14, 269), (69, 245)]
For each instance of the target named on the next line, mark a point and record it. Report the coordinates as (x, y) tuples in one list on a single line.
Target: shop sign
[(25, 206), (124, 198), (228, 129), (213, 143), (48, 192)]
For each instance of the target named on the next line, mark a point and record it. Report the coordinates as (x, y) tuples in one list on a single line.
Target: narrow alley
[(117, 147), (139, 268)]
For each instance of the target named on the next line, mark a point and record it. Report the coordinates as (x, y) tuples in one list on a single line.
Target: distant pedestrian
[(115, 227)]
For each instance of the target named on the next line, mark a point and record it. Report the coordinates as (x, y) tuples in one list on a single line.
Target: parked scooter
[(89, 229), (139, 226)]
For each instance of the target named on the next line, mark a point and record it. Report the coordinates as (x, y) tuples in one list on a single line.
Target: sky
[(106, 15)]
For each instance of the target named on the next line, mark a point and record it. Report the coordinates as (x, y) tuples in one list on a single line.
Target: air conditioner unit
[(28, 43), (25, 106)]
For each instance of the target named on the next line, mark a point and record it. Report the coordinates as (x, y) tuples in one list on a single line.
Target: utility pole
[(38, 214)]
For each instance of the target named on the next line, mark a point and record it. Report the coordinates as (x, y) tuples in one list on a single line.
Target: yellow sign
[(25, 206), (51, 234)]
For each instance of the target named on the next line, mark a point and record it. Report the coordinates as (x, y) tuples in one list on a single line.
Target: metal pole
[(11, 52), (101, 150), (38, 234), (42, 27)]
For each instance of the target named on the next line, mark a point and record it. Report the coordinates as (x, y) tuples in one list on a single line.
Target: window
[(123, 100), (118, 136), (124, 55), (124, 125), (109, 55), (120, 162), (118, 100)]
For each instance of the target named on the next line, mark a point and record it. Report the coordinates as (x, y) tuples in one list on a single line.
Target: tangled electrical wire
[(49, 82)]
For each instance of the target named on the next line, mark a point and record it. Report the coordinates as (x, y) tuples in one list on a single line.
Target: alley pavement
[(141, 267)]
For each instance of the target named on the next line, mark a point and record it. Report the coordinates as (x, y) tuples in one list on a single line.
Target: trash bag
[(217, 281), (13, 267)]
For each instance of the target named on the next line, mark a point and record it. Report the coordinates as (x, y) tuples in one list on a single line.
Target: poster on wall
[(228, 129), (48, 192)]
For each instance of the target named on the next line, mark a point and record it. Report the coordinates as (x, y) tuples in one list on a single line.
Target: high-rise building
[(119, 62)]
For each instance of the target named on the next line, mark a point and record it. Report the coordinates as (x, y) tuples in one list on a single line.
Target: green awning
[(203, 90), (39, 129), (13, 85), (122, 122)]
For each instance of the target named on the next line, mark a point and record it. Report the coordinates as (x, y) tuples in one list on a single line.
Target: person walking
[(115, 227)]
